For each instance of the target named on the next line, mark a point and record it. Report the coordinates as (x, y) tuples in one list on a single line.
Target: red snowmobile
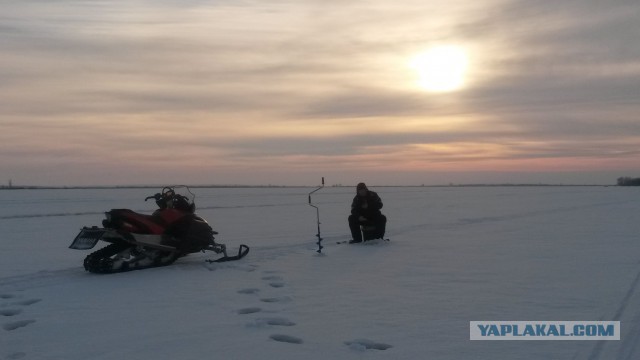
[(140, 241)]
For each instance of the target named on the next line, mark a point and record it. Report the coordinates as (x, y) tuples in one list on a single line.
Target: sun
[(441, 68)]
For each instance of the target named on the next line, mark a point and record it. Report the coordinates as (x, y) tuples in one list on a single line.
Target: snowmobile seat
[(132, 221)]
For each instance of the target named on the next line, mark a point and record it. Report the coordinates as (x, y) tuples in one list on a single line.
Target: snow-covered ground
[(456, 255)]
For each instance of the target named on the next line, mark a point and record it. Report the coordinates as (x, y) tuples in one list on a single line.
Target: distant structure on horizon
[(627, 181)]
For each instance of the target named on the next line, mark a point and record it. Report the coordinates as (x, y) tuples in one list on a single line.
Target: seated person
[(365, 211)]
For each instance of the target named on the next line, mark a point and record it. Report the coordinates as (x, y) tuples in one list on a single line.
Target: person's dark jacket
[(374, 204)]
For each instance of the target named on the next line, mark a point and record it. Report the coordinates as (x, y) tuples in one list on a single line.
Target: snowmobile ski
[(242, 252)]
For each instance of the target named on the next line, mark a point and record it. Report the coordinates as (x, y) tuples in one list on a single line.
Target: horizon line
[(231, 186)]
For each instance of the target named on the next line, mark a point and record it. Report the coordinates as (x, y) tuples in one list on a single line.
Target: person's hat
[(361, 186)]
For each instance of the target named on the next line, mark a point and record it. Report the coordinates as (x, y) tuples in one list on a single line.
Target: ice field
[(457, 254)]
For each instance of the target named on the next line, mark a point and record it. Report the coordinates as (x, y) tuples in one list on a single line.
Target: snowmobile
[(139, 241)]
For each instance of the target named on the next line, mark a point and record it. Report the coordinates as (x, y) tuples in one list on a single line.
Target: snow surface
[(457, 254)]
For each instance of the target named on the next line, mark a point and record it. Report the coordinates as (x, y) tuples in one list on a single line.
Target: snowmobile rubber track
[(101, 261)]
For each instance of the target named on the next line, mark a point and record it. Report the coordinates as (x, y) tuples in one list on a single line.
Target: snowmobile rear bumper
[(87, 238)]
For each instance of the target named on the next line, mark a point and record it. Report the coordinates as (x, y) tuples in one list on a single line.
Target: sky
[(104, 92)]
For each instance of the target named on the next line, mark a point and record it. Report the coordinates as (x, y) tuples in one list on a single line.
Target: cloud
[(248, 84)]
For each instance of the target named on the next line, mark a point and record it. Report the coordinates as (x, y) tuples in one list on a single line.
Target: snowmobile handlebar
[(170, 199), (157, 197), (167, 192)]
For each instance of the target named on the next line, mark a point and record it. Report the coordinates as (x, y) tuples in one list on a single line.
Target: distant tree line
[(627, 181)]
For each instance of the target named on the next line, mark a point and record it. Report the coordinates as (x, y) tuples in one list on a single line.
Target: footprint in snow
[(286, 339), (279, 321), (272, 277), (283, 299), (275, 281), (249, 291), (10, 312), (16, 325), (275, 321), (364, 344), (28, 302), (11, 326), (17, 355), (249, 310)]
